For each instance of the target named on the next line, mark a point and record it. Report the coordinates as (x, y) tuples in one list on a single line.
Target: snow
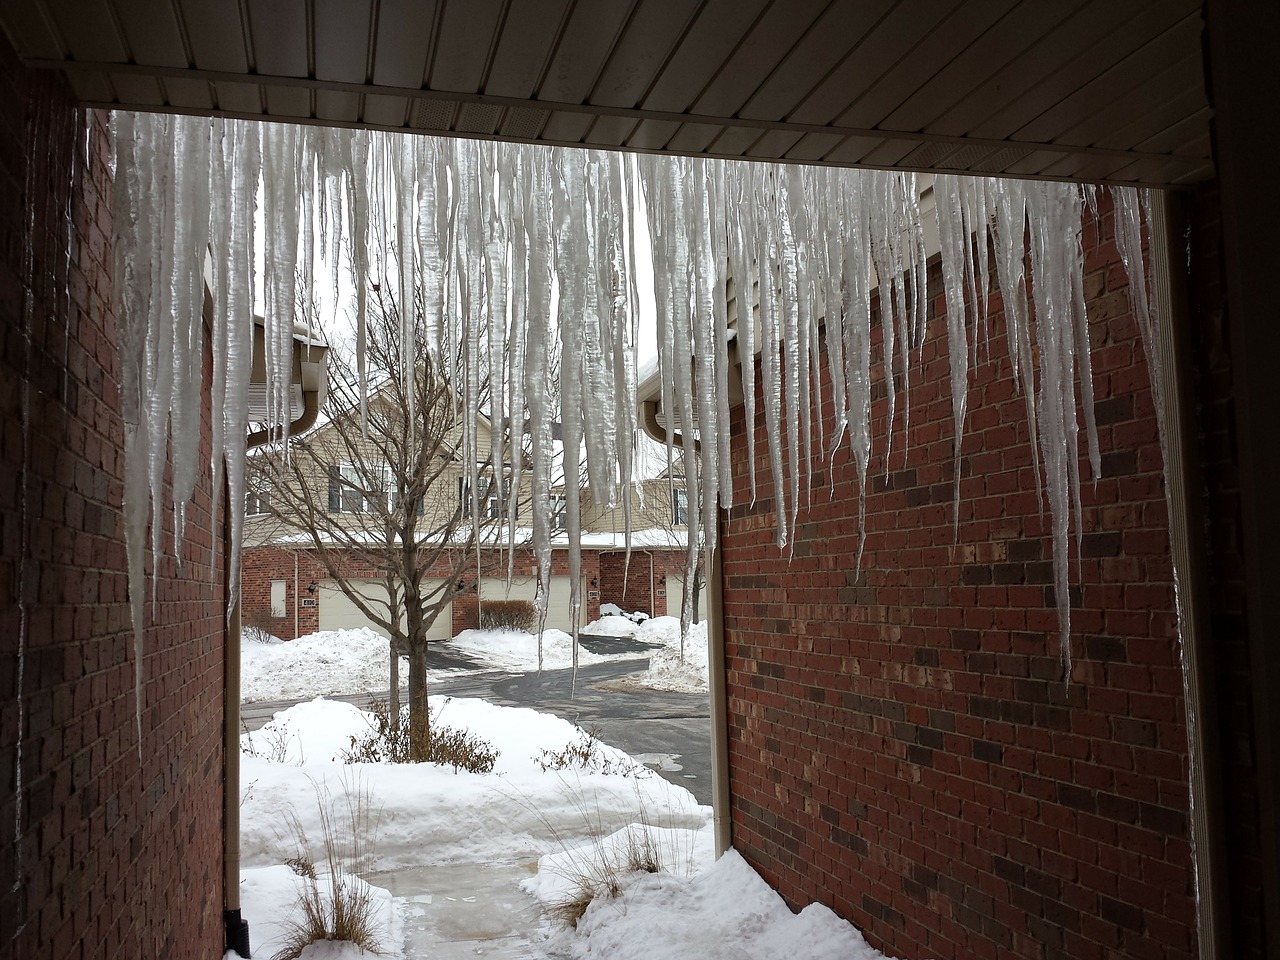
[(338, 662), (572, 824), (269, 896), (538, 244), (611, 624), (519, 652), (668, 670), (328, 662), (726, 911)]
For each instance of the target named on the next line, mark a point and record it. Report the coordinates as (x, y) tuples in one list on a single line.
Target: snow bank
[(667, 670), (725, 911), (432, 815), (517, 651), (329, 662)]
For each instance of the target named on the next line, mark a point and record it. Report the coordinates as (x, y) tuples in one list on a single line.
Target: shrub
[(388, 740), (584, 753), (273, 742), (336, 905), (520, 615)]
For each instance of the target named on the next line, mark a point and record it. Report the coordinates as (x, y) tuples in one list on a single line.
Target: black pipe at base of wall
[(237, 933)]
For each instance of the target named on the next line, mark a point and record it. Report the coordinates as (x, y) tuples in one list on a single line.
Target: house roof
[(1077, 89)]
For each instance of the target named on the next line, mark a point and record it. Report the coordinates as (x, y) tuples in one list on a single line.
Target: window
[(348, 493), (680, 509), (490, 508), (559, 511), (277, 598), (255, 501)]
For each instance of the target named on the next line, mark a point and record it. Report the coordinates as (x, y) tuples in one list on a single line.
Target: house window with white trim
[(559, 511), (348, 493), (255, 501), (680, 508), (490, 508)]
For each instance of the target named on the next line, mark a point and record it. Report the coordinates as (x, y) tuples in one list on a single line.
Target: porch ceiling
[(1106, 90)]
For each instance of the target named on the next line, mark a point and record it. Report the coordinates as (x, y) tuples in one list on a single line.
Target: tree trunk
[(393, 698), (418, 731)]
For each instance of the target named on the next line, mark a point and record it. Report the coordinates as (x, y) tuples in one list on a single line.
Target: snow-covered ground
[(336, 662), (566, 821)]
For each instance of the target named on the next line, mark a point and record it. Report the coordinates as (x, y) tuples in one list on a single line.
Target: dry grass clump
[(335, 904), (598, 868), (520, 615), (389, 740), (583, 753), (271, 742)]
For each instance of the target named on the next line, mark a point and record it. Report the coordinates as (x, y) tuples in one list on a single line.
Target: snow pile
[(611, 624), (667, 669), (561, 874), (613, 610), (328, 662), (518, 652), (431, 814), (725, 911)]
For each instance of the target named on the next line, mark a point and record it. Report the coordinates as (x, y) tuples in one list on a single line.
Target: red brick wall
[(902, 746), (261, 565), (119, 849), (643, 587)]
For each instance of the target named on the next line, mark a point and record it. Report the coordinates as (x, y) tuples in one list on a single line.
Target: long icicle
[(524, 258)]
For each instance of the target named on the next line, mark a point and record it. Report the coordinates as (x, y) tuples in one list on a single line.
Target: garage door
[(675, 597), (337, 612), (525, 588)]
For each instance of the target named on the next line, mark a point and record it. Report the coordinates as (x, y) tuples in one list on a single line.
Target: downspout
[(296, 599), (1167, 224), (717, 676), (310, 374), (237, 927)]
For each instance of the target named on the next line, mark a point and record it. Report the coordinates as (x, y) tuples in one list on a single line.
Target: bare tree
[(385, 496)]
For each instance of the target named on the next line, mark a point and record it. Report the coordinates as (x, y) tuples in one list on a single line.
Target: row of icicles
[(525, 256)]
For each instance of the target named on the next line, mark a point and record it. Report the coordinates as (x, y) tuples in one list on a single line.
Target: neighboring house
[(288, 591)]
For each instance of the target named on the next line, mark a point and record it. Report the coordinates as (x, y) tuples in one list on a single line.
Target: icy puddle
[(466, 910)]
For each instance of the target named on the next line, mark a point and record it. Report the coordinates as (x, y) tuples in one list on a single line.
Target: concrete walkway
[(467, 910)]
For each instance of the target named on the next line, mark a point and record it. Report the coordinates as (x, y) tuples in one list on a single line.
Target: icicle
[(537, 214), (746, 273), (515, 201), (523, 259), (953, 237)]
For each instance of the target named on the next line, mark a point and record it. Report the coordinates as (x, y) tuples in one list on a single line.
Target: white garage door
[(525, 588), (675, 597), (337, 612)]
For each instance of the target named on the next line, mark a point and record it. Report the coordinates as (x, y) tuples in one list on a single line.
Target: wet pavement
[(452, 911)]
